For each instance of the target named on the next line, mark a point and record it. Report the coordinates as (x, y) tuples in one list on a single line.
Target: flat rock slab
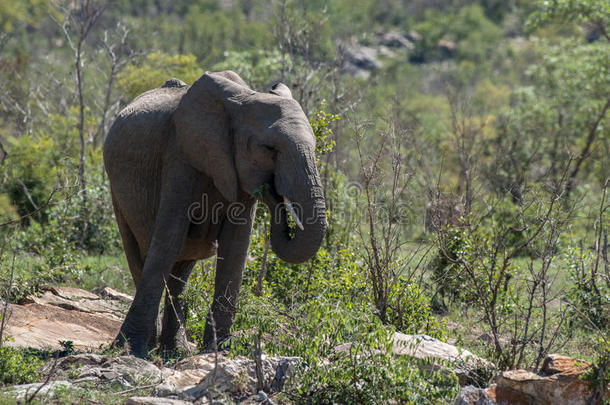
[(70, 293), (44, 326), (469, 367), (64, 314), (114, 307)]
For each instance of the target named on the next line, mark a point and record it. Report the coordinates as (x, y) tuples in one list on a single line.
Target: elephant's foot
[(222, 344), (155, 337), (176, 345), (133, 344), (119, 342), (217, 333)]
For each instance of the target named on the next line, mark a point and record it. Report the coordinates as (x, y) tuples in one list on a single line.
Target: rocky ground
[(90, 320)]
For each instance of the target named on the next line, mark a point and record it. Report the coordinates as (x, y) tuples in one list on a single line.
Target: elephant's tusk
[(293, 213)]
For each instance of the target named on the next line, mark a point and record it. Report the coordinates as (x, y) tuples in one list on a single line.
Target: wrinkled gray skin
[(217, 138)]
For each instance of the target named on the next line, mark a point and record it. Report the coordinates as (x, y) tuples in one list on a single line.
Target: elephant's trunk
[(299, 186)]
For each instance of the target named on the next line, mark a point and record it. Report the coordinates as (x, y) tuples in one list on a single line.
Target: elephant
[(178, 153)]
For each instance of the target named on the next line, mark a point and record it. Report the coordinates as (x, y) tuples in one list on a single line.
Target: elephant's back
[(141, 130), (133, 155)]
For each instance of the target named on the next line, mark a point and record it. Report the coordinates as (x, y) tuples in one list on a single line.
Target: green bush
[(30, 172), (472, 243), (589, 295), (52, 251), (464, 263), (310, 311), (257, 67), (63, 232), (17, 366), (346, 352), (155, 70), (447, 275), (333, 275), (364, 373), (45, 163), (410, 310)]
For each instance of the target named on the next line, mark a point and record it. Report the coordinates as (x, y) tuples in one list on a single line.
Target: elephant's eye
[(264, 155), (268, 148)]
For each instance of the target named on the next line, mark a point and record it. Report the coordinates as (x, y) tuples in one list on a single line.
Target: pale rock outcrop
[(468, 367), (38, 390), (191, 379)]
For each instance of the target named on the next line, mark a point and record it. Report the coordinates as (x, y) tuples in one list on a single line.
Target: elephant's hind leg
[(130, 245), (167, 241), (135, 263), (173, 333)]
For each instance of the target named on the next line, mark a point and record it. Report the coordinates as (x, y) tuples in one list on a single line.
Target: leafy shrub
[(52, 251), (257, 67), (335, 276), (64, 233), (8, 212), (590, 12), (321, 123), (589, 294), (470, 246), (366, 374), (447, 274), (345, 348), (310, 311), (30, 172), (410, 311), (155, 70), (598, 376), (43, 164), (17, 366)]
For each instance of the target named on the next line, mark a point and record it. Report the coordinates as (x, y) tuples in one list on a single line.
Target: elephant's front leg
[(233, 245)]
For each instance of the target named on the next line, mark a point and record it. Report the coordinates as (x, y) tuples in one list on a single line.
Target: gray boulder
[(437, 355)]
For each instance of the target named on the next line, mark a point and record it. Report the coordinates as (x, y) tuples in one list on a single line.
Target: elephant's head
[(247, 141)]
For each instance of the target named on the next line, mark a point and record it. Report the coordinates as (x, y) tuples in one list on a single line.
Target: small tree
[(385, 181), (77, 26), (479, 258)]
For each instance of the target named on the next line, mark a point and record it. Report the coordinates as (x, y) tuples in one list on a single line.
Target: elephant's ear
[(203, 129), (280, 89)]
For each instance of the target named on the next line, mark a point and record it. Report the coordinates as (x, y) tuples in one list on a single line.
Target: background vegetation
[(466, 171)]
